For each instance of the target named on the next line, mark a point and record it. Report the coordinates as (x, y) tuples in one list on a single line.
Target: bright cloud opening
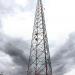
[(19, 25), (22, 2), (72, 72)]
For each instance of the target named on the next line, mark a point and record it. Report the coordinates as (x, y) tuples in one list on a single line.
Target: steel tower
[(39, 60)]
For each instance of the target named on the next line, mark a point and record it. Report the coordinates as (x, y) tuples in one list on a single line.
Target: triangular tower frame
[(39, 60)]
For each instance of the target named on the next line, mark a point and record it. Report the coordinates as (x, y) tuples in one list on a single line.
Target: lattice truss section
[(39, 60)]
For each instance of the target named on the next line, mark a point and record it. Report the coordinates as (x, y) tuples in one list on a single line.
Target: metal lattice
[(39, 60)]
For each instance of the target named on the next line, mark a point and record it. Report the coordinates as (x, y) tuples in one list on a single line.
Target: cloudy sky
[(17, 19), (19, 15)]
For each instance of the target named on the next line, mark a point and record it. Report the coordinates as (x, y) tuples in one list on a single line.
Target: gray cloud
[(64, 59), (10, 6), (6, 6), (16, 49)]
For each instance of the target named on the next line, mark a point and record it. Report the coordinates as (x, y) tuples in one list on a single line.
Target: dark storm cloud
[(64, 59), (16, 49)]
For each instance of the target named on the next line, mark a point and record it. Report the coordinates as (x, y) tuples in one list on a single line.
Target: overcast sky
[(59, 15), (17, 19)]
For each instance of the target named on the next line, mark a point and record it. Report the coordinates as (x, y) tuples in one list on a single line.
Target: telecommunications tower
[(39, 59)]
